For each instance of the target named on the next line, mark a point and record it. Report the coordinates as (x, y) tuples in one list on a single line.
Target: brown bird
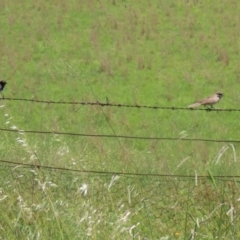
[(209, 101)]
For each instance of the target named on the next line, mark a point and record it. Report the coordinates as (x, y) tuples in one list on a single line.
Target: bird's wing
[(209, 100)]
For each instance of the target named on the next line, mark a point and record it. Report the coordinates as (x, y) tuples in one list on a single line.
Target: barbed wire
[(107, 104), (121, 136), (38, 166)]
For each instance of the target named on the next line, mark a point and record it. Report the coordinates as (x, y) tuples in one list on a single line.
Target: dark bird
[(2, 85), (209, 101)]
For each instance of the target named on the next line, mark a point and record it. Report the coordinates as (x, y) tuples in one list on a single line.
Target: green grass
[(156, 53)]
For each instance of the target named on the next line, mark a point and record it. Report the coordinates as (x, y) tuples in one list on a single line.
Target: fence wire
[(119, 105), (120, 136), (87, 204)]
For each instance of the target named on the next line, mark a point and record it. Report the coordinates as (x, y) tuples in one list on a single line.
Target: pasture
[(138, 53)]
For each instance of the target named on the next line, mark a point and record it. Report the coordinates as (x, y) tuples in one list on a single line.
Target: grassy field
[(156, 53)]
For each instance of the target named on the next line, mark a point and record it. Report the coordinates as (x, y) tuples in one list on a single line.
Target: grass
[(164, 53)]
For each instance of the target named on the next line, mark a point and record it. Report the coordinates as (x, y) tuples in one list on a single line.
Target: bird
[(2, 85), (209, 101)]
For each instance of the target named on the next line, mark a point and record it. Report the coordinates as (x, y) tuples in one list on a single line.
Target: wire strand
[(120, 136), (120, 105), (28, 165)]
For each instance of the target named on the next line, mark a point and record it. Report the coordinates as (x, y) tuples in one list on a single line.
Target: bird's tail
[(194, 105)]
